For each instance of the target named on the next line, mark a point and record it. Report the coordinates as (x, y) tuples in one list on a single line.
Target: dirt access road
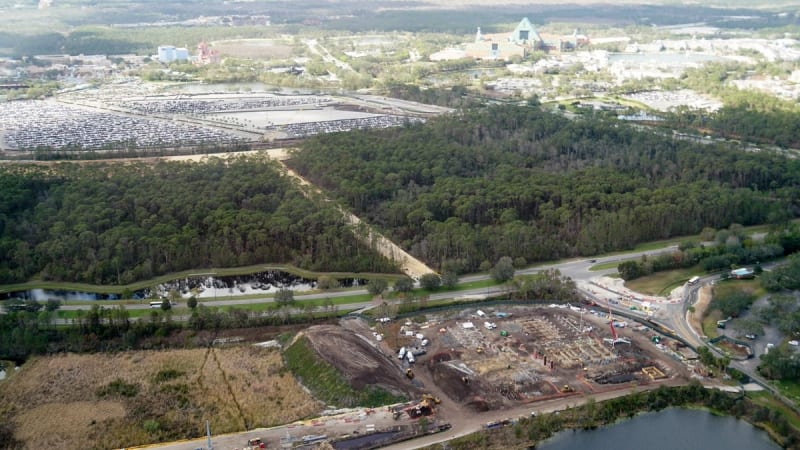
[(410, 265), (463, 421)]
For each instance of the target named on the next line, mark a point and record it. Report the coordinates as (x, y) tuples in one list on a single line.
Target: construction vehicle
[(255, 443), (312, 438), (567, 388), (431, 398), (409, 374), (425, 407)]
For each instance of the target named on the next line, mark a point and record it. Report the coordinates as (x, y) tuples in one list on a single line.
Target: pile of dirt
[(458, 385), (361, 362)]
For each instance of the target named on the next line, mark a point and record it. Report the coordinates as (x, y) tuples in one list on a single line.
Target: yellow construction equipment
[(567, 388), (431, 398), (410, 374)]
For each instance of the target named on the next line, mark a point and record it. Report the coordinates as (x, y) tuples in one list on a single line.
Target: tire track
[(202, 367), (239, 410)]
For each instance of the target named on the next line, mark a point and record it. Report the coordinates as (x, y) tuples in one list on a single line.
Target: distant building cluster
[(170, 53), (523, 40)]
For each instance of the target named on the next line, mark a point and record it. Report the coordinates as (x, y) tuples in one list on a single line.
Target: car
[(592, 260), (795, 343), (752, 337)]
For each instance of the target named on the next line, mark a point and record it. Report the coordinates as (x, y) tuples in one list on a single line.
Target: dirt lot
[(358, 357), (253, 48), (106, 401)]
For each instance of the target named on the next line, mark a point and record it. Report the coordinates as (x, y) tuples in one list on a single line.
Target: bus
[(693, 280)]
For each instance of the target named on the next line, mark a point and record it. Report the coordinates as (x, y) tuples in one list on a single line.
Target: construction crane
[(611, 320), (614, 338)]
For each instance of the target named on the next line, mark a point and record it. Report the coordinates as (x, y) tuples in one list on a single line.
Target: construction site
[(471, 368), (498, 359)]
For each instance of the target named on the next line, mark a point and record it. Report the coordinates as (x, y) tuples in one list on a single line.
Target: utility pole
[(208, 437)]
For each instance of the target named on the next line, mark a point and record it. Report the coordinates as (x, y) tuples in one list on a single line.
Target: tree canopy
[(117, 223), (516, 181)]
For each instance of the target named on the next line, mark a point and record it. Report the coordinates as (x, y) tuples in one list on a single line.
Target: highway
[(577, 269)]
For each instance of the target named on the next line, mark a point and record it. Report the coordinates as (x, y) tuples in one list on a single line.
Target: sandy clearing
[(700, 307)]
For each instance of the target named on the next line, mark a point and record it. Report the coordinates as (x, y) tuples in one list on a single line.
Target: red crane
[(611, 321)]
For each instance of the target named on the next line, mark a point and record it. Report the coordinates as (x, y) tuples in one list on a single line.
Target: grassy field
[(710, 323), (766, 399), (133, 398), (750, 286), (791, 389), (661, 283), (724, 288), (254, 307)]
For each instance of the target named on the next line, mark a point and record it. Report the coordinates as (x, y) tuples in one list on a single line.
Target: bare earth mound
[(134, 398), (358, 360)]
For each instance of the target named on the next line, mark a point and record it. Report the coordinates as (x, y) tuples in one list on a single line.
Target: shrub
[(167, 375), (118, 387), (430, 281)]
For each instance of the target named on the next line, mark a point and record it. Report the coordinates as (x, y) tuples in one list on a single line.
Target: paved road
[(577, 269)]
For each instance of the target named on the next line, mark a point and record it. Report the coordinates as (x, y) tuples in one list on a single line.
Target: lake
[(671, 429)]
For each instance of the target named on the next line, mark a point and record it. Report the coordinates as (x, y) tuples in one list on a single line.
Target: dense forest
[(516, 181), (775, 126), (117, 223)]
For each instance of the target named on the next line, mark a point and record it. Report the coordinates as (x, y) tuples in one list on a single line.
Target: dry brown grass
[(65, 425), (253, 48), (234, 388)]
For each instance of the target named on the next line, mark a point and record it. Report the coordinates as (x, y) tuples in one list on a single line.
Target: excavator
[(409, 374), (425, 407)]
